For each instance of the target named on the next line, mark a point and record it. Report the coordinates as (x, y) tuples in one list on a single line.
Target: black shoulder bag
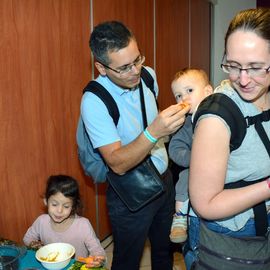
[(140, 185)]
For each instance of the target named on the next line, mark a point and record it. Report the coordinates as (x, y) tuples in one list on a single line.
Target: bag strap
[(149, 81), (144, 117), (100, 91)]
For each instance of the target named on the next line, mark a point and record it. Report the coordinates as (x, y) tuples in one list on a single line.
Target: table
[(29, 261)]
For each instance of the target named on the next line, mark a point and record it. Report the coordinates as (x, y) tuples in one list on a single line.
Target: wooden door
[(172, 44), (200, 34), (183, 34)]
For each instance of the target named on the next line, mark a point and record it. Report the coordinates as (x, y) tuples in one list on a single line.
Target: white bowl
[(63, 251)]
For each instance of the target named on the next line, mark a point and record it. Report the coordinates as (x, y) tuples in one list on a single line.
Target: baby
[(189, 86)]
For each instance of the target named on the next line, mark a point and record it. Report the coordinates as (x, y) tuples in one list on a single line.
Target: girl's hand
[(92, 261), (35, 244)]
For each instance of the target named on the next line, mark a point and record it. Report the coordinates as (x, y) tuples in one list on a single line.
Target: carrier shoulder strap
[(221, 105), (100, 91), (260, 211), (257, 120)]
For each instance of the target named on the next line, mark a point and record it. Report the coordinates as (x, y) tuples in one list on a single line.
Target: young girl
[(62, 223)]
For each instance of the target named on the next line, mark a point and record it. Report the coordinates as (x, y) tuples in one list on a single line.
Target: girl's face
[(190, 88), (59, 207), (245, 49)]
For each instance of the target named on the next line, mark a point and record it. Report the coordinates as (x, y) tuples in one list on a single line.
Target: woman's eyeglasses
[(252, 72)]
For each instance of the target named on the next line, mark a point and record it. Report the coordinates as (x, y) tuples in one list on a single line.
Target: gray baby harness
[(219, 251)]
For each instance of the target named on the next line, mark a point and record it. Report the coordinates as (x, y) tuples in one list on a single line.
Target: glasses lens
[(233, 71), (256, 72), (139, 61), (225, 68)]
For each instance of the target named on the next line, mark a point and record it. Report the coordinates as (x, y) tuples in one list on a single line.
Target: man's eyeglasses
[(252, 72), (127, 68)]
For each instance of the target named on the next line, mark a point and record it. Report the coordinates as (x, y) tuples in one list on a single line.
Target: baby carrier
[(222, 252)]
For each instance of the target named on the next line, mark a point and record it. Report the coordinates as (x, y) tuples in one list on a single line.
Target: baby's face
[(190, 88)]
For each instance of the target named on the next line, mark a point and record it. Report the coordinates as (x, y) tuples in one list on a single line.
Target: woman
[(226, 213)]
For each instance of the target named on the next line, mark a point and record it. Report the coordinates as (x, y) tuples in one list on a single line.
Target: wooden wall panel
[(172, 44), (136, 14), (44, 65), (200, 44)]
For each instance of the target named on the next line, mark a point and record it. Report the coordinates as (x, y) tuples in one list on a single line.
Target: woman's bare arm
[(209, 157)]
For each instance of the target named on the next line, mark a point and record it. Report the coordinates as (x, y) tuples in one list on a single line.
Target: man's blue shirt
[(101, 128)]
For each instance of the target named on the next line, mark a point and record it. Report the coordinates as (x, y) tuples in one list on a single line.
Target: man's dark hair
[(108, 37)]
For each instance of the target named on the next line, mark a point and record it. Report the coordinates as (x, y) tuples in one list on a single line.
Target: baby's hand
[(36, 244)]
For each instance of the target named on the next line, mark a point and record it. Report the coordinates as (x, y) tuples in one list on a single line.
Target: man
[(119, 62)]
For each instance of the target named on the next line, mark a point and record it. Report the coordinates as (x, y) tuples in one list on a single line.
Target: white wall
[(223, 12)]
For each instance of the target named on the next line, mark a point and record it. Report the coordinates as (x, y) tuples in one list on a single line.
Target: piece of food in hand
[(87, 260), (183, 105)]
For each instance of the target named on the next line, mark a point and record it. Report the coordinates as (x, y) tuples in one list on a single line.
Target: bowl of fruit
[(55, 256)]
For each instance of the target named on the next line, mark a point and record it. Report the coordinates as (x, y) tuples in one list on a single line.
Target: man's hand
[(169, 120)]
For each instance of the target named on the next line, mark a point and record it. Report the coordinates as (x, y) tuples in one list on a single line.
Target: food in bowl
[(52, 256), (55, 256)]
